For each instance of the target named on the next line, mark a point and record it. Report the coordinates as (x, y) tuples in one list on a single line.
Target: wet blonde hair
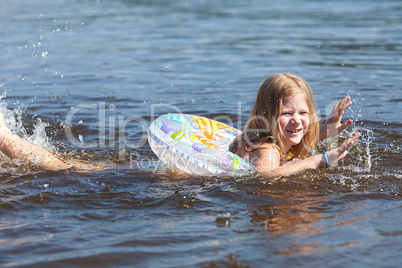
[(263, 123)]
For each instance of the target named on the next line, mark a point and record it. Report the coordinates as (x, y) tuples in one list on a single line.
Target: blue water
[(98, 72)]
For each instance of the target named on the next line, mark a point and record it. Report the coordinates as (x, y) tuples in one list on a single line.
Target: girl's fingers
[(352, 140), (340, 152), (340, 107), (346, 99), (355, 136), (343, 101), (344, 125), (345, 106), (349, 143)]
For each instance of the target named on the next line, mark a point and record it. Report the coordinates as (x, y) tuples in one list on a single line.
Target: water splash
[(39, 136), (366, 135), (13, 120), (364, 156)]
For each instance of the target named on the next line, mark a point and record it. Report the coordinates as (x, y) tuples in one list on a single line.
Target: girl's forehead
[(297, 102), (299, 96)]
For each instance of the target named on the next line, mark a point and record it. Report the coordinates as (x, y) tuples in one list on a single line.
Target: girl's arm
[(312, 162), (333, 126), (18, 148)]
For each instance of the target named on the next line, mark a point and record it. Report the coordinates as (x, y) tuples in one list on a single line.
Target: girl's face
[(294, 119)]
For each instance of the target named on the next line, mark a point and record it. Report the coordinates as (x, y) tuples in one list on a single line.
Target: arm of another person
[(267, 161), (18, 148)]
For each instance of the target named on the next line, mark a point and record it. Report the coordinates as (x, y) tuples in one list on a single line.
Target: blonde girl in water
[(283, 126)]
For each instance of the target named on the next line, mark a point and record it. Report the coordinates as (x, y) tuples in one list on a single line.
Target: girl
[(283, 125)]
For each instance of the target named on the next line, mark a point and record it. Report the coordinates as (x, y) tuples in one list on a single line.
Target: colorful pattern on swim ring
[(196, 145)]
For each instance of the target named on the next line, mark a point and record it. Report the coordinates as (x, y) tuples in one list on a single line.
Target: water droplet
[(81, 138), (46, 185), (80, 122), (16, 102), (44, 54), (166, 68)]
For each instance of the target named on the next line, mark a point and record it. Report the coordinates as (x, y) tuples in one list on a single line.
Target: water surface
[(98, 72)]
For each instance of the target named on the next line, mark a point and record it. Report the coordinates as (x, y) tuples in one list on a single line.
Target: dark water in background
[(113, 66)]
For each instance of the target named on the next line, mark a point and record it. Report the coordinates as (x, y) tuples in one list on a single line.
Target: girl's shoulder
[(264, 145), (263, 149), (265, 157)]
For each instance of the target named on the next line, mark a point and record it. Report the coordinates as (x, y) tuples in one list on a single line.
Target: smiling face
[(294, 120)]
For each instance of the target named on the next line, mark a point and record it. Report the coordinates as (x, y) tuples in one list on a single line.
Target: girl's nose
[(296, 119)]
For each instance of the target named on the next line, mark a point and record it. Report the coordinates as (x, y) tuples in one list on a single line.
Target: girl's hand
[(312, 162), (339, 153), (333, 126)]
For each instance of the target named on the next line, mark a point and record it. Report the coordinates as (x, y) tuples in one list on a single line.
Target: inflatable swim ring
[(196, 145)]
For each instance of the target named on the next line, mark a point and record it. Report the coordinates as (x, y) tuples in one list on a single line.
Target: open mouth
[(293, 130)]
